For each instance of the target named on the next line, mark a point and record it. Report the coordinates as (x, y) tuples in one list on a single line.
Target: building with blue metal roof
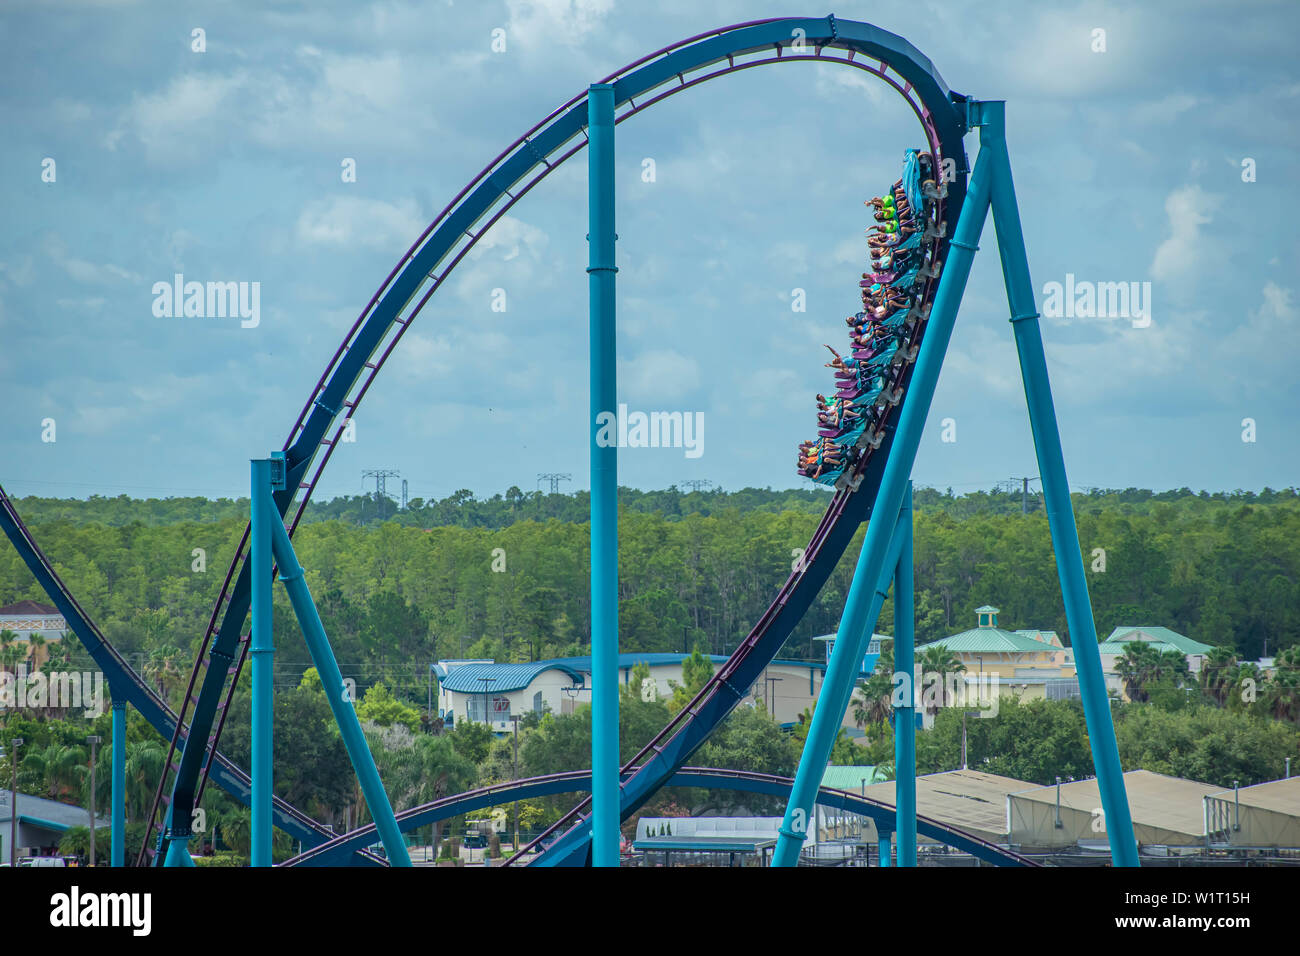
[(484, 690), (41, 823)]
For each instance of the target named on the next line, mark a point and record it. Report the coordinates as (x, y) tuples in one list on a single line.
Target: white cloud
[(21, 273), (835, 80), (1188, 209), (184, 120), (522, 245), (659, 374), (511, 237), (82, 270), (544, 22), (345, 220), (790, 256), (1164, 110), (88, 304), (774, 388)]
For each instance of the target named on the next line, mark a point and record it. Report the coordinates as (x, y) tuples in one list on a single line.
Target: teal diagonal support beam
[(336, 692), (1056, 490), (842, 672)]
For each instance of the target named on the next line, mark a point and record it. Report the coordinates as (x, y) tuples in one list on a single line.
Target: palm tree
[(1136, 668), (1282, 690), (144, 766), (9, 654), (37, 642), (63, 657), (1217, 672), (1246, 675), (1282, 694), (1171, 665), (237, 830), (938, 660), (162, 666), (873, 708), (65, 768)]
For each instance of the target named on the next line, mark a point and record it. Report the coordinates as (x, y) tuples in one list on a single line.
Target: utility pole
[(514, 719), (964, 714), (487, 719), (13, 802), (381, 487), (94, 741), (554, 478), (430, 717), (771, 692)]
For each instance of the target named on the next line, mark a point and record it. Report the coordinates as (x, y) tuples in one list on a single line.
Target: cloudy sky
[(226, 165)]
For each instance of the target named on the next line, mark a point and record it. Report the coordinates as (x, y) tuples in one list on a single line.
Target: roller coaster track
[(426, 265), (125, 684), (404, 293), (703, 777)]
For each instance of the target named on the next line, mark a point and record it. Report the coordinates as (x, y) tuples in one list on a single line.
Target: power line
[(554, 478), (381, 487), (1010, 484)]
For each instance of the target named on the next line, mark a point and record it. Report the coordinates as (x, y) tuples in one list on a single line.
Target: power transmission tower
[(697, 484), (554, 478), (381, 488), (403, 494), (1024, 491)]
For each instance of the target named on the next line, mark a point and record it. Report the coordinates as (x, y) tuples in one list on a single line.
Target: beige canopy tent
[(1166, 811), (1265, 815)]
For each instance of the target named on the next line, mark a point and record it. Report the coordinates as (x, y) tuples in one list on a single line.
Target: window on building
[(1066, 689), (498, 708), (537, 702)]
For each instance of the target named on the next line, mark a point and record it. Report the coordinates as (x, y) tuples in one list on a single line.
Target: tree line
[(395, 597)]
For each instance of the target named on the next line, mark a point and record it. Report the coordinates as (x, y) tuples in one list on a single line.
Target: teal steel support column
[(854, 631), (336, 692), (604, 479), (884, 847), (846, 658), (178, 846), (1056, 490), (905, 716), (262, 511), (117, 850)]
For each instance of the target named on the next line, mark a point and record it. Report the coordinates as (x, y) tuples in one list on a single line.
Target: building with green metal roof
[(1160, 638), (852, 778), (1026, 663), (1016, 647)]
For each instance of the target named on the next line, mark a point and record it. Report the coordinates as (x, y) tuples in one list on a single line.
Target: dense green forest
[(396, 596), (506, 578), (464, 510)]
